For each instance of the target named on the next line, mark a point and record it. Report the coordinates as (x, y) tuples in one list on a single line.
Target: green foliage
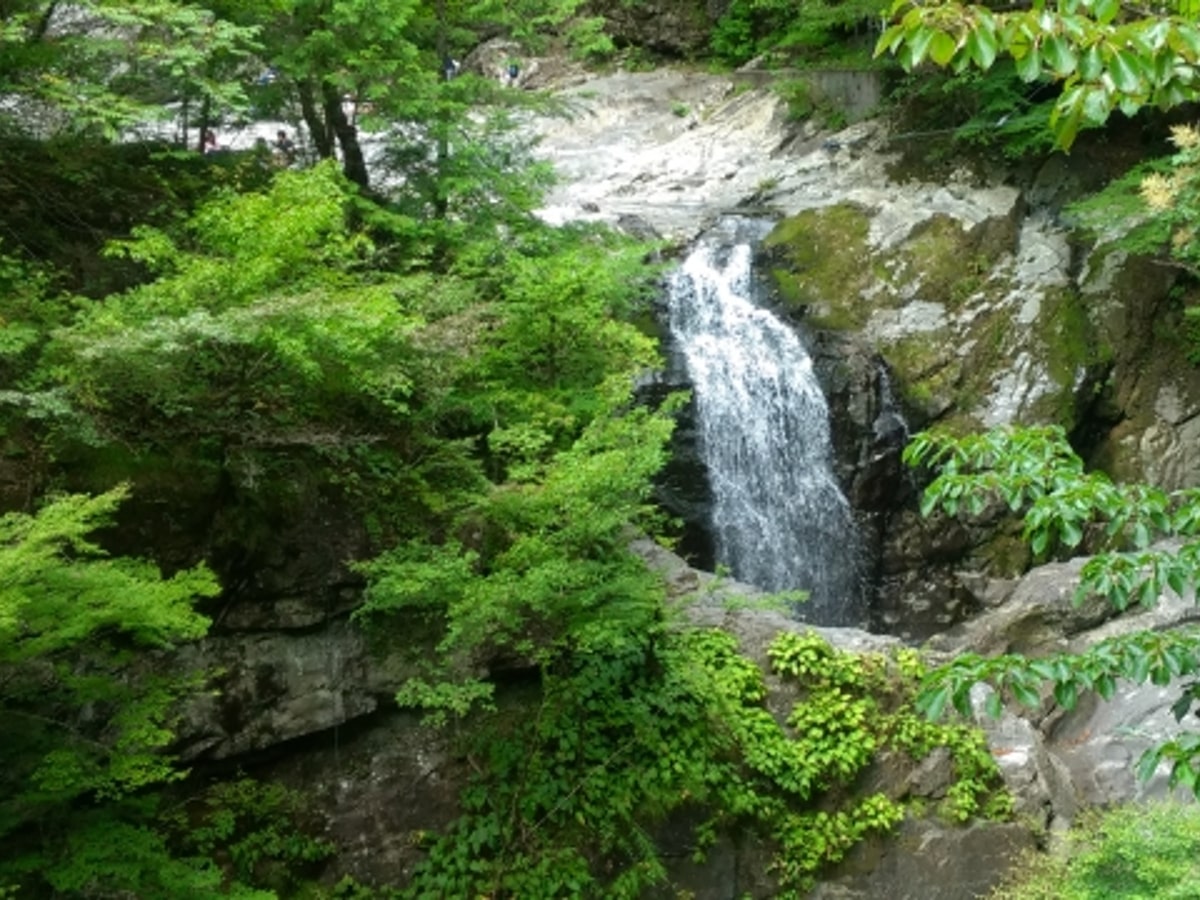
[(808, 32), (1164, 213), (943, 115), (548, 571), (79, 722), (1128, 853), (1107, 55), (105, 855), (105, 66), (1118, 213), (628, 735), (260, 831), (1035, 472)]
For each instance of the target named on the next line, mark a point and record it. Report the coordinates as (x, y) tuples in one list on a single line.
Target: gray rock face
[(381, 791), (1058, 763), (928, 861), (1038, 617), (270, 688)]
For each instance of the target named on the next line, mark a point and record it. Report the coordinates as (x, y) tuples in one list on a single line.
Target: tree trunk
[(317, 126), (353, 164), (441, 202), (204, 124)]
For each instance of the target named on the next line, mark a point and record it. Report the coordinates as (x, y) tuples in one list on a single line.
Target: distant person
[(209, 142), (514, 72), (450, 67), (285, 149)]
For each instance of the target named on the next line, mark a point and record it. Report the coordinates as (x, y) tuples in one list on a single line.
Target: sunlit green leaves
[(1104, 64), (57, 588), (1035, 473)]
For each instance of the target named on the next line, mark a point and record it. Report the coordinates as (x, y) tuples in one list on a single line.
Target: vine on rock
[(568, 801)]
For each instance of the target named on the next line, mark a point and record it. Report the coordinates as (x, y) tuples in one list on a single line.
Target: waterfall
[(779, 520)]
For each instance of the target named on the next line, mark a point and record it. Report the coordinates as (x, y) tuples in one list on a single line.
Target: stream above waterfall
[(778, 518)]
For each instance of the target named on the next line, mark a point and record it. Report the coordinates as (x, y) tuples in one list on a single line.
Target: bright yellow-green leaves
[(1107, 56), (57, 588)]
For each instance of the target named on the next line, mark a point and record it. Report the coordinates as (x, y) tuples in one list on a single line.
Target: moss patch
[(1069, 345), (818, 259), (946, 259), (926, 370)]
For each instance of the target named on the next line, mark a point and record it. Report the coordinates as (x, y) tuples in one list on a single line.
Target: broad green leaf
[(1104, 11), (1039, 541), (1184, 41), (1025, 694), (932, 705), (1147, 765), (1139, 668), (1091, 64), (1059, 55), (1126, 72), (1070, 533), (942, 48), (918, 45), (1155, 34), (1029, 66), (981, 45), (993, 706), (1182, 706), (889, 40), (1095, 112), (1065, 694)]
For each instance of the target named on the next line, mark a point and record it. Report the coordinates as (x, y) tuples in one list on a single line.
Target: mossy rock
[(819, 261), (948, 261)]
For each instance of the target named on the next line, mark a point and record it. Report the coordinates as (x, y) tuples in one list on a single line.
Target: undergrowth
[(568, 799)]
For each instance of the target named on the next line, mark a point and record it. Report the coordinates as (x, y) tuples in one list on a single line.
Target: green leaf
[(1059, 55), (1065, 694), (1139, 668), (929, 501), (1104, 11), (1025, 694), (993, 705), (1125, 72), (982, 46), (1029, 66), (1148, 763), (1070, 533), (1095, 110), (918, 44), (889, 40), (942, 48), (1039, 541)]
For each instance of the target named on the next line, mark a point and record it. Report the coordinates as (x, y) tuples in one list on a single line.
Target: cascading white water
[(779, 519)]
